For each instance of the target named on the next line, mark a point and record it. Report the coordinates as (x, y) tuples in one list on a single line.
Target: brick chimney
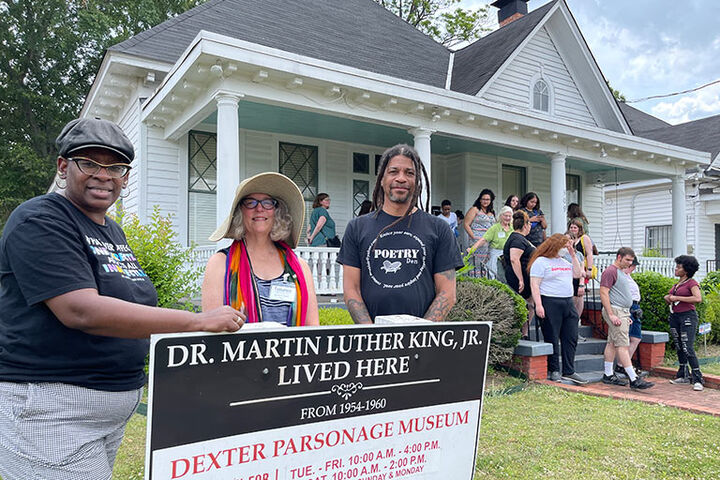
[(510, 10)]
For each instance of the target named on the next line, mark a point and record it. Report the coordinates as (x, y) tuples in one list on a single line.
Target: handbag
[(333, 242)]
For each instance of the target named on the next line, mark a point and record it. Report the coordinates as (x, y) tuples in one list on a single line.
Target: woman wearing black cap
[(76, 311)]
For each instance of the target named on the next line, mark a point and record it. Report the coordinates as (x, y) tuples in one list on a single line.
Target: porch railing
[(327, 273), (662, 265)]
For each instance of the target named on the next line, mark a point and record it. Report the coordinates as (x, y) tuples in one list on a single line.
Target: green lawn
[(545, 432)]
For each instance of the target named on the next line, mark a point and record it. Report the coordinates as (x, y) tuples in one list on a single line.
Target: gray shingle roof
[(475, 64), (640, 121), (357, 33), (702, 135)]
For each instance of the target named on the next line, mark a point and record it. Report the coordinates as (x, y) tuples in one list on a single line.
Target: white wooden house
[(318, 89), (639, 214)]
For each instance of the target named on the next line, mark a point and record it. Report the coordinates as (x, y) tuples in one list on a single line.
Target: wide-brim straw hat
[(277, 186)]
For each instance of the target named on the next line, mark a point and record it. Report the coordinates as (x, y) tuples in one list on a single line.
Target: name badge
[(501, 234), (282, 291)]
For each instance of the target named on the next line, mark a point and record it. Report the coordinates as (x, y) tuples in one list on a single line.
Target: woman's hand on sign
[(221, 319)]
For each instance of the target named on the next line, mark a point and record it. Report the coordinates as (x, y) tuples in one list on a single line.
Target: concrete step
[(591, 346), (591, 377), (588, 363), (585, 331)]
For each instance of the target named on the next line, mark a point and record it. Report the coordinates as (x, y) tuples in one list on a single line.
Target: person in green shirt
[(495, 237), (321, 227)]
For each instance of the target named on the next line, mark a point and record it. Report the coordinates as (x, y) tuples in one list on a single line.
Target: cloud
[(700, 104)]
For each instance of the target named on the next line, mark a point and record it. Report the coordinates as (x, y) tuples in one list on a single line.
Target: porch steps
[(588, 354)]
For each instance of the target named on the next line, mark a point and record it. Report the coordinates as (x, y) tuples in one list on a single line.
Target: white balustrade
[(326, 272), (662, 265)]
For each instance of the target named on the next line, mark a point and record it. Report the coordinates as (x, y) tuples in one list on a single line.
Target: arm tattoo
[(358, 311), (439, 307), (449, 274)]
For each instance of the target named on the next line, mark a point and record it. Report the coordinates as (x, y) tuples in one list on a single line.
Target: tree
[(616, 93), (442, 20), (50, 51)]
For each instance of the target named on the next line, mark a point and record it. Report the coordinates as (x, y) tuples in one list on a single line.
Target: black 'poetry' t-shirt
[(397, 268), (49, 248)]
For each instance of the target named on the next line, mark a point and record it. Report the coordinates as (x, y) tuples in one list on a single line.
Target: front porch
[(258, 107)]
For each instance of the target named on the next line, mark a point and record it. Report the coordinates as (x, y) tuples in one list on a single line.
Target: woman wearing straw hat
[(259, 273)]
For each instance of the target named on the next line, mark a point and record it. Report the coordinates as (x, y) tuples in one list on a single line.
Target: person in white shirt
[(449, 216), (552, 290)]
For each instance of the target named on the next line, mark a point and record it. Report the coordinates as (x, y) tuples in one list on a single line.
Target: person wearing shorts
[(616, 301)]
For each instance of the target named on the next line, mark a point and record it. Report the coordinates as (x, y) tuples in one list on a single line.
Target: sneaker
[(555, 376), (638, 373), (575, 378), (641, 373), (680, 381), (613, 380), (619, 370), (698, 387), (641, 384)]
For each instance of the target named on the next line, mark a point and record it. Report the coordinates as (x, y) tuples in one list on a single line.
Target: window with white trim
[(541, 96), (202, 186), (659, 239), (363, 179)]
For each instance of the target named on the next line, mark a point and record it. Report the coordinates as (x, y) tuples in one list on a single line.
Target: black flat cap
[(92, 132)]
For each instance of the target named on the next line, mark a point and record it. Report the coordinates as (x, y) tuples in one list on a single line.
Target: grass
[(545, 432)]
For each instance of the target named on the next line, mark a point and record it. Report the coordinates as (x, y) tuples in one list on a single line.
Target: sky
[(652, 47)]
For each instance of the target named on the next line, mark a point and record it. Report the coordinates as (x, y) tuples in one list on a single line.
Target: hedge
[(335, 316), (482, 299)]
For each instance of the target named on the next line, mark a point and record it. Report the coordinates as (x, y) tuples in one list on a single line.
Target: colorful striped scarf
[(241, 289)]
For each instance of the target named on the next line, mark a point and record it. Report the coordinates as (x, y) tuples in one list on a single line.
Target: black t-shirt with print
[(49, 248), (397, 268), (517, 240)]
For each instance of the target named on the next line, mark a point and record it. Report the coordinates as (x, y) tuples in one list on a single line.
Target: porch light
[(603, 153)]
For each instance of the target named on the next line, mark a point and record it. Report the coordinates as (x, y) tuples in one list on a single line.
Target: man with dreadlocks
[(399, 259)]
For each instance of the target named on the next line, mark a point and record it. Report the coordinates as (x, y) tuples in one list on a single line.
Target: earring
[(125, 191), (59, 177)]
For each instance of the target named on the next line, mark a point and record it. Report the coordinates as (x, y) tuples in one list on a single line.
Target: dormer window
[(541, 96)]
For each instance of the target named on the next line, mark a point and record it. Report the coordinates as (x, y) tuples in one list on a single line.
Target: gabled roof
[(702, 135), (640, 121), (357, 33), (475, 64)]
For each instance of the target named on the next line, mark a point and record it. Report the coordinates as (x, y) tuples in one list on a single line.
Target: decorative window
[(363, 177), (202, 186), (300, 164), (541, 96), (659, 240)]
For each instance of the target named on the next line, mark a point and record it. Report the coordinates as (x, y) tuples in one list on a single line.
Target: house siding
[(513, 85), (625, 225), (129, 122), (163, 175)]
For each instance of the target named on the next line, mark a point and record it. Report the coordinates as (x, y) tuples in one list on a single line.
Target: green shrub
[(481, 299), (711, 314), (652, 252), (163, 258), (711, 282), (653, 287), (335, 316)]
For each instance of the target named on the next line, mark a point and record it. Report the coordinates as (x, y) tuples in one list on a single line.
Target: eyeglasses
[(91, 167), (267, 203)]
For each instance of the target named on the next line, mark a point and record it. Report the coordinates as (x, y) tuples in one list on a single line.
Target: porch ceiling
[(288, 121)]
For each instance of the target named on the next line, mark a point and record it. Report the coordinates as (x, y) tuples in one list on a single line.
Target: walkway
[(663, 393)]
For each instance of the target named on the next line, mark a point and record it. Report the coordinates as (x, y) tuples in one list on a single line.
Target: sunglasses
[(267, 203), (91, 167)]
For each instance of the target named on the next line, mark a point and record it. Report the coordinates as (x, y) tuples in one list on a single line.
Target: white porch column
[(421, 142), (228, 154), (679, 227), (557, 193)]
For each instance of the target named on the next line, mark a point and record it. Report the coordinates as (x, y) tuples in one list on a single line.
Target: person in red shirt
[(682, 298)]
